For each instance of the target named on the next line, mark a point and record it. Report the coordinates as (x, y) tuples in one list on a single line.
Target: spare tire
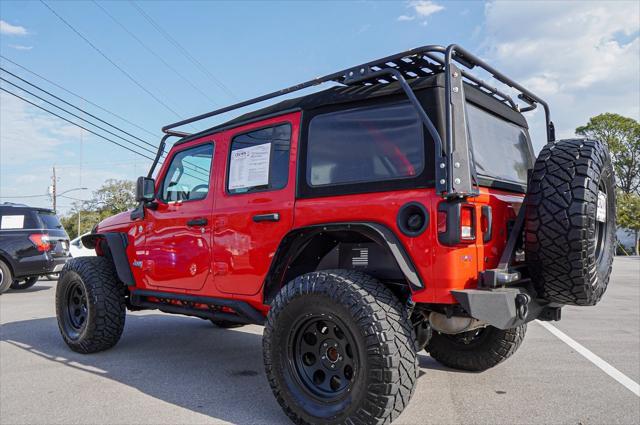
[(570, 221)]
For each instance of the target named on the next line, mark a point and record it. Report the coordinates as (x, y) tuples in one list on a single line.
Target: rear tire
[(476, 350), (6, 278), (569, 250), (20, 285), (90, 304), (339, 348)]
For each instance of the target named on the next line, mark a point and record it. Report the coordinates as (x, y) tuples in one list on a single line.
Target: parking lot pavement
[(168, 369)]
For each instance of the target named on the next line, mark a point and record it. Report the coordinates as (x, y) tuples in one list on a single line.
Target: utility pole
[(53, 188), (80, 207)]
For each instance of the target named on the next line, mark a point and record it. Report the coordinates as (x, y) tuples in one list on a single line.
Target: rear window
[(17, 219), (367, 144), (500, 148), (49, 220)]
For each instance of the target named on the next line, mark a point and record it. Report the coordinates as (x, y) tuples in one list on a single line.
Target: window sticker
[(250, 167), (12, 222)]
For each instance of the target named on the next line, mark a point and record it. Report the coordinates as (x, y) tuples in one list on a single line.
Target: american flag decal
[(360, 257)]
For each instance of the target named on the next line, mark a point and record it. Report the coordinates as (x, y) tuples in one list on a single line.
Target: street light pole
[(55, 194)]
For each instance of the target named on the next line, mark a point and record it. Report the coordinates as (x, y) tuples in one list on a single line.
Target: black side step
[(246, 313)]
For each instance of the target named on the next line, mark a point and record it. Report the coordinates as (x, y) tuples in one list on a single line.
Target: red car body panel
[(231, 256)]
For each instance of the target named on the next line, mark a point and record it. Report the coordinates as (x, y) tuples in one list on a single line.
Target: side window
[(187, 177), (259, 160), (366, 144)]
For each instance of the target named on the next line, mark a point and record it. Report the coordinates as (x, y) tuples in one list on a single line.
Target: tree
[(113, 197), (88, 219), (628, 215), (622, 136)]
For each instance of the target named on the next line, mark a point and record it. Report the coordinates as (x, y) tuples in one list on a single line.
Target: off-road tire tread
[(106, 295), (557, 240), (388, 333), (496, 348)]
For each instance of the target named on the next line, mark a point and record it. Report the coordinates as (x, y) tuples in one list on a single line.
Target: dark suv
[(32, 243)]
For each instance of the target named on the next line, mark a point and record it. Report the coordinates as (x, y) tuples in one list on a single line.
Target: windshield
[(500, 148)]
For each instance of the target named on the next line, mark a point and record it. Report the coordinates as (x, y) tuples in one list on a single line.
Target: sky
[(153, 63)]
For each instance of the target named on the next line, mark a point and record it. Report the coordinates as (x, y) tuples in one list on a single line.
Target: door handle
[(197, 222), (266, 217)]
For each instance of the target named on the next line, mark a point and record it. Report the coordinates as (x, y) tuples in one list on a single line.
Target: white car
[(77, 249)]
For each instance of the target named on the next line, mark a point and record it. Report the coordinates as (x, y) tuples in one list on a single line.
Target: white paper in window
[(250, 167), (12, 222)]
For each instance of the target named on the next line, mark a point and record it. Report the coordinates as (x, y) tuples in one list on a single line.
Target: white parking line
[(629, 383)]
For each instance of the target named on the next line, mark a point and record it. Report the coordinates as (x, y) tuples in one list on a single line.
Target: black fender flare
[(297, 239), (117, 243)]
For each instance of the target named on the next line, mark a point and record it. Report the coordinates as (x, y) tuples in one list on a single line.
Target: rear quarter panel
[(441, 268)]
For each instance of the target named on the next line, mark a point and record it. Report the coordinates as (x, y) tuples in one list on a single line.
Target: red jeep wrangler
[(401, 209)]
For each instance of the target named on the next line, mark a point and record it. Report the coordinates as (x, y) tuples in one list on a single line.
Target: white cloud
[(20, 47), (8, 29), (425, 8), (406, 18), (25, 129), (32, 141), (421, 10), (582, 57)]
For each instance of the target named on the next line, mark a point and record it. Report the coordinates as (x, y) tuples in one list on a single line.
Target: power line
[(93, 46), (77, 116), (151, 51), (77, 95), (24, 196), (73, 123), (184, 51)]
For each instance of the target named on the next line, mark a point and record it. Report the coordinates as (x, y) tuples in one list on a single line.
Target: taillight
[(442, 221), (41, 241), (456, 223), (467, 225)]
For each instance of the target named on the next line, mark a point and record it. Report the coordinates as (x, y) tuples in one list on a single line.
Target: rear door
[(254, 206), (178, 231)]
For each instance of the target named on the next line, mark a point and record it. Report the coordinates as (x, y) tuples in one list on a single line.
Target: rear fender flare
[(297, 239)]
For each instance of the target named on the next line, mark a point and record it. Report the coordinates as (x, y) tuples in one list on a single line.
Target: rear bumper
[(38, 265), (506, 308)]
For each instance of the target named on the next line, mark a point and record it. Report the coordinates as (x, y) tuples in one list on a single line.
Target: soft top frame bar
[(455, 171)]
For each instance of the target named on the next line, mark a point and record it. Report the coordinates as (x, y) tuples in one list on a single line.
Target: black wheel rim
[(601, 226), (324, 359), (77, 310)]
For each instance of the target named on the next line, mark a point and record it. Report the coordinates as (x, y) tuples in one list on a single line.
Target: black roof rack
[(419, 62), (454, 173)]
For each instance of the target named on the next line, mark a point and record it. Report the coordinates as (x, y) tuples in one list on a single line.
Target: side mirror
[(145, 189)]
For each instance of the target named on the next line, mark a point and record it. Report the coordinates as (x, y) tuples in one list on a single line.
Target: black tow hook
[(522, 305)]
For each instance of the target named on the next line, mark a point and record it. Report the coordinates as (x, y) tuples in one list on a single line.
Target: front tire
[(90, 305), (476, 350), (24, 284), (339, 348)]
